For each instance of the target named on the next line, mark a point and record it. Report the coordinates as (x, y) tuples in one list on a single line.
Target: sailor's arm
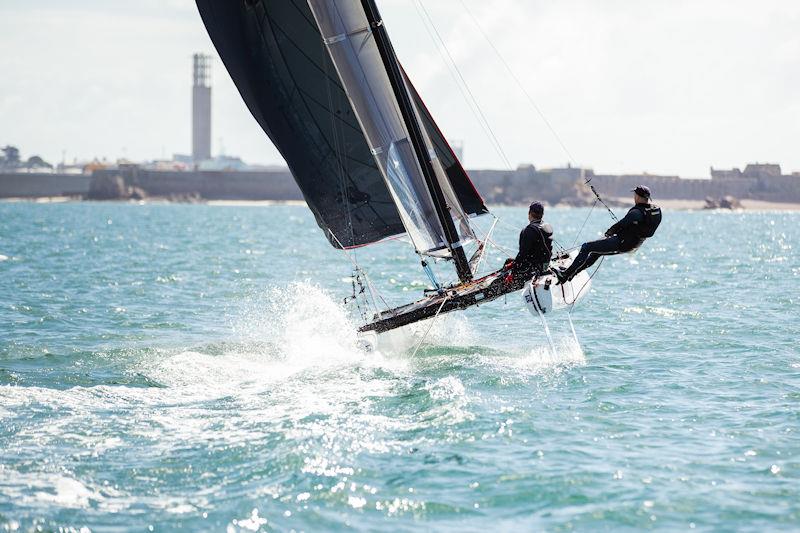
[(633, 217), (524, 246), (613, 230)]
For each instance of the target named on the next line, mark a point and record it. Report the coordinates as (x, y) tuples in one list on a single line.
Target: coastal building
[(201, 108), (226, 177), (732, 174), (762, 170), (751, 171)]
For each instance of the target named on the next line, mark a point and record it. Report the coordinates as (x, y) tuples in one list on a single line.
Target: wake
[(299, 336)]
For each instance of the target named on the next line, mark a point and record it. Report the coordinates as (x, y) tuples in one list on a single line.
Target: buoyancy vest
[(539, 237), (652, 218), (546, 236)]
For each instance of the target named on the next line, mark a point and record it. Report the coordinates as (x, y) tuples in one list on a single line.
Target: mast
[(417, 141)]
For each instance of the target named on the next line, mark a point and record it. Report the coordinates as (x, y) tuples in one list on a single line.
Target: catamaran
[(322, 79)]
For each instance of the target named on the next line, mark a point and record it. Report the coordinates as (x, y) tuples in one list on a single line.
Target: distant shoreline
[(673, 204), (747, 205), (150, 200)]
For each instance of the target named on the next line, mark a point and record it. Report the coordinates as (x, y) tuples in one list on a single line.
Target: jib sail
[(347, 33)]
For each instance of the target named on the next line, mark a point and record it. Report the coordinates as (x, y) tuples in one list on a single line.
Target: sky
[(663, 86)]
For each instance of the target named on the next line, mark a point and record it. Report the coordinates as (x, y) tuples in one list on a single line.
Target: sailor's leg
[(590, 253), (592, 259), (579, 260)]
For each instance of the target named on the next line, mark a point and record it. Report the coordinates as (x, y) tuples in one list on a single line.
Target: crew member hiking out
[(625, 236), (535, 249)]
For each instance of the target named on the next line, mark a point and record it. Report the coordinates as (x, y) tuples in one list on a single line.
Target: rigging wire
[(519, 83), (561, 248), (597, 195), (482, 120), (463, 85), (362, 310), (489, 240), (482, 250), (338, 148), (534, 105), (584, 224), (373, 291), (430, 326), (486, 126), (580, 291)]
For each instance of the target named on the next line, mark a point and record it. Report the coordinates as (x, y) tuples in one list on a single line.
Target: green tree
[(10, 158), (37, 162)]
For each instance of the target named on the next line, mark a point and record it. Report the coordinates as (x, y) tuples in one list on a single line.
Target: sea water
[(195, 367)]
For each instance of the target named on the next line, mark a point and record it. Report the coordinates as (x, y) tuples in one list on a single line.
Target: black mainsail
[(365, 60), (286, 73), (322, 79)]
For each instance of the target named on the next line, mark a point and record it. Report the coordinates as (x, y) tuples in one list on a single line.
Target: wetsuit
[(624, 236), (535, 249)]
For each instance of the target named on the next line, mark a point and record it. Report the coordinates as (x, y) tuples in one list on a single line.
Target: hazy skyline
[(668, 87)]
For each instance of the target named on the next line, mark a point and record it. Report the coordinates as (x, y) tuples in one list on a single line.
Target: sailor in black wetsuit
[(535, 249), (625, 236)]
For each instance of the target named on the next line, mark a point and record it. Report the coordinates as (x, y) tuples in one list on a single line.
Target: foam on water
[(292, 370), (452, 330), (277, 335), (538, 360), (52, 489)]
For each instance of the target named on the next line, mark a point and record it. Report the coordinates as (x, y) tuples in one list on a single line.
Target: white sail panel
[(348, 37), (460, 218)]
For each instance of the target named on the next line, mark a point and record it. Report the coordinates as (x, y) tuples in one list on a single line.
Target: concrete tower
[(201, 108)]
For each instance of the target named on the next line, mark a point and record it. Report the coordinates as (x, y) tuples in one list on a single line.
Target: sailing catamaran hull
[(542, 292), (462, 296), (544, 295)]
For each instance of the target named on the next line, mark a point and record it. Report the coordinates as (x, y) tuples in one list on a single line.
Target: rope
[(596, 195), (584, 224), (483, 121), (430, 326), (536, 107), (575, 299)]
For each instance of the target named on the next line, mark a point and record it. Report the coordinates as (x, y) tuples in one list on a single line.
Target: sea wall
[(33, 185), (525, 184), (518, 186), (772, 189), (210, 185)]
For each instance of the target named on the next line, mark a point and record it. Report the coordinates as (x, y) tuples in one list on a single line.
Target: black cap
[(537, 208), (642, 190)]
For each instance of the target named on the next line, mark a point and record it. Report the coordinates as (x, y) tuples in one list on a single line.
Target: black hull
[(455, 298)]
